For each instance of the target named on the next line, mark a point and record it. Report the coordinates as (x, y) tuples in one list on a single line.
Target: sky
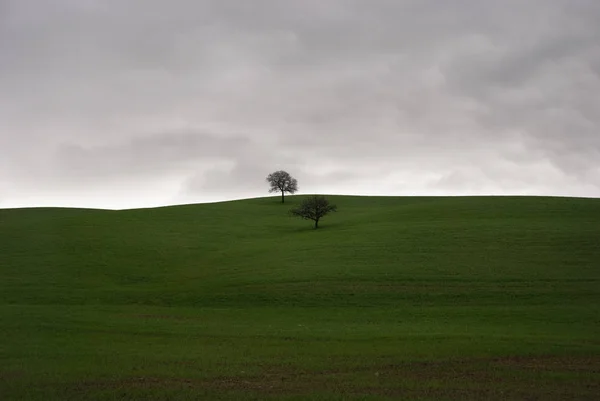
[(139, 103)]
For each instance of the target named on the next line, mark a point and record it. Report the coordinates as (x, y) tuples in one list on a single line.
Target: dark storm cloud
[(381, 96)]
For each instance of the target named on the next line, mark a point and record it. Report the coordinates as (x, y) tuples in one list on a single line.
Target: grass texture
[(432, 298)]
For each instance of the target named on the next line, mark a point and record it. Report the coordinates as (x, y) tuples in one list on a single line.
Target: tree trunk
[(282, 200), (316, 224)]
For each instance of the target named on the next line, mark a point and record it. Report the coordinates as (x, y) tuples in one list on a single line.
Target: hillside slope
[(251, 252), (203, 292)]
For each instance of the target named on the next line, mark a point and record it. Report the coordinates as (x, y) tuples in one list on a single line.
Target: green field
[(433, 298)]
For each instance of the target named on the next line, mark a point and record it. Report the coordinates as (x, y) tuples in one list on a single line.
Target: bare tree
[(313, 208), (282, 181)]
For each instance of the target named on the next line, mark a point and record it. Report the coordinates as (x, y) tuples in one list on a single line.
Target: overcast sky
[(135, 103)]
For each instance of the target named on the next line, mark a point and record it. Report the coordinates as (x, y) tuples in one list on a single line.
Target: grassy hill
[(423, 298)]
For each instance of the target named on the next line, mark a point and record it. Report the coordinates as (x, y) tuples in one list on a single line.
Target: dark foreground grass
[(393, 298)]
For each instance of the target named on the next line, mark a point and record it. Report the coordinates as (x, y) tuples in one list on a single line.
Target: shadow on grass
[(327, 227)]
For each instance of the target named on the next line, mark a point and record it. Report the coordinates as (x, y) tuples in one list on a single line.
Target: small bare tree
[(282, 181), (313, 208)]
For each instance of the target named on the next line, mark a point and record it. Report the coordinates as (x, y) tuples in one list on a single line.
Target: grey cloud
[(143, 156), (445, 97), (245, 173), (147, 154)]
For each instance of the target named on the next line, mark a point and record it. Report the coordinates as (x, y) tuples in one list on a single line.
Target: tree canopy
[(313, 208), (282, 181)]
